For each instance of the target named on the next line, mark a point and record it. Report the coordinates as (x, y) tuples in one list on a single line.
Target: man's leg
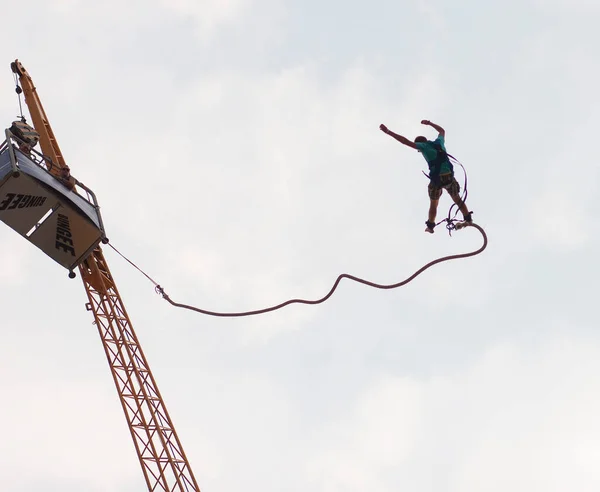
[(433, 205), (434, 198), (461, 205), (454, 191)]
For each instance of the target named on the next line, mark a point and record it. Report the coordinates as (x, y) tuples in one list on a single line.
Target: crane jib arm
[(62, 223)]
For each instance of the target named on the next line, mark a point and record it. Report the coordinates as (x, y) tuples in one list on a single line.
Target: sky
[(234, 148)]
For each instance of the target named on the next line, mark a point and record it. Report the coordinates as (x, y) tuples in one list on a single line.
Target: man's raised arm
[(438, 128), (400, 138)]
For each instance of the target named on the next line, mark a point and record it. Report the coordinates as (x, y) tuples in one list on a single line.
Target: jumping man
[(441, 171)]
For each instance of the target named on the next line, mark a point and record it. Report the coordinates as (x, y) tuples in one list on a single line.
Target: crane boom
[(39, 119), (160, 453)]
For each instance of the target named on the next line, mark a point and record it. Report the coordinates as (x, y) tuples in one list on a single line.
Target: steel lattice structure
[(161, 455)]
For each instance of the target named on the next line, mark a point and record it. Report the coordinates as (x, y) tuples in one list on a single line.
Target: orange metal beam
[(159, 450), (39, 119)]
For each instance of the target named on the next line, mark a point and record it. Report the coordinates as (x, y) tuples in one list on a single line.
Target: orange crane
[(61, 216)]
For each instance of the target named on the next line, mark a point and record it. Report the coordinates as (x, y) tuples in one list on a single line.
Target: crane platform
[(64, 223)]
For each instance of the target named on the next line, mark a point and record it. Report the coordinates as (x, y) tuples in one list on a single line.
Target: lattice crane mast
[(58, 214)]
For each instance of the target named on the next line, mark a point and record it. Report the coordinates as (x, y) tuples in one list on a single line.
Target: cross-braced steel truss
[(161, 455)]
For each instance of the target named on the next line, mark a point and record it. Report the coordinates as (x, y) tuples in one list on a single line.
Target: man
[(66, 179), (441, 171), (27, 137)]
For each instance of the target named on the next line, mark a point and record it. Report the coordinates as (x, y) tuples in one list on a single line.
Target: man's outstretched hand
[(425, 122), (383, 128)]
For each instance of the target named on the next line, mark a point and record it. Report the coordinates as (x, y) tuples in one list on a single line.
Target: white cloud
[(356, 452), (208, 13), (16, 258), (559, 220), (538, 427), (515, 418), (433, 13), (56, 426), (571, 7)]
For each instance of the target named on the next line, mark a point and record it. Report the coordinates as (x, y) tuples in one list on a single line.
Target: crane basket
[(65, 224)]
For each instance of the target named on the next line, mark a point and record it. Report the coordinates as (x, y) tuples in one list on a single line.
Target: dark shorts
[(447, 182)]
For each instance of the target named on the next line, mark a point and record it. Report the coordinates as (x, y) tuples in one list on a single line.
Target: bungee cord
[(450, 225)]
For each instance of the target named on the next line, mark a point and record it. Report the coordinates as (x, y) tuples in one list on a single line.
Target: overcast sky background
[(235, 151)]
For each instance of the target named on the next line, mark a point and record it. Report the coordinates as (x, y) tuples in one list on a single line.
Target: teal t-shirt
[(430, 153)]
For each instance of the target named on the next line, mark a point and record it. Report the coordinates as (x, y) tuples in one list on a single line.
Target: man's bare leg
[(462, 206), (433, 205), (432, 213)]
